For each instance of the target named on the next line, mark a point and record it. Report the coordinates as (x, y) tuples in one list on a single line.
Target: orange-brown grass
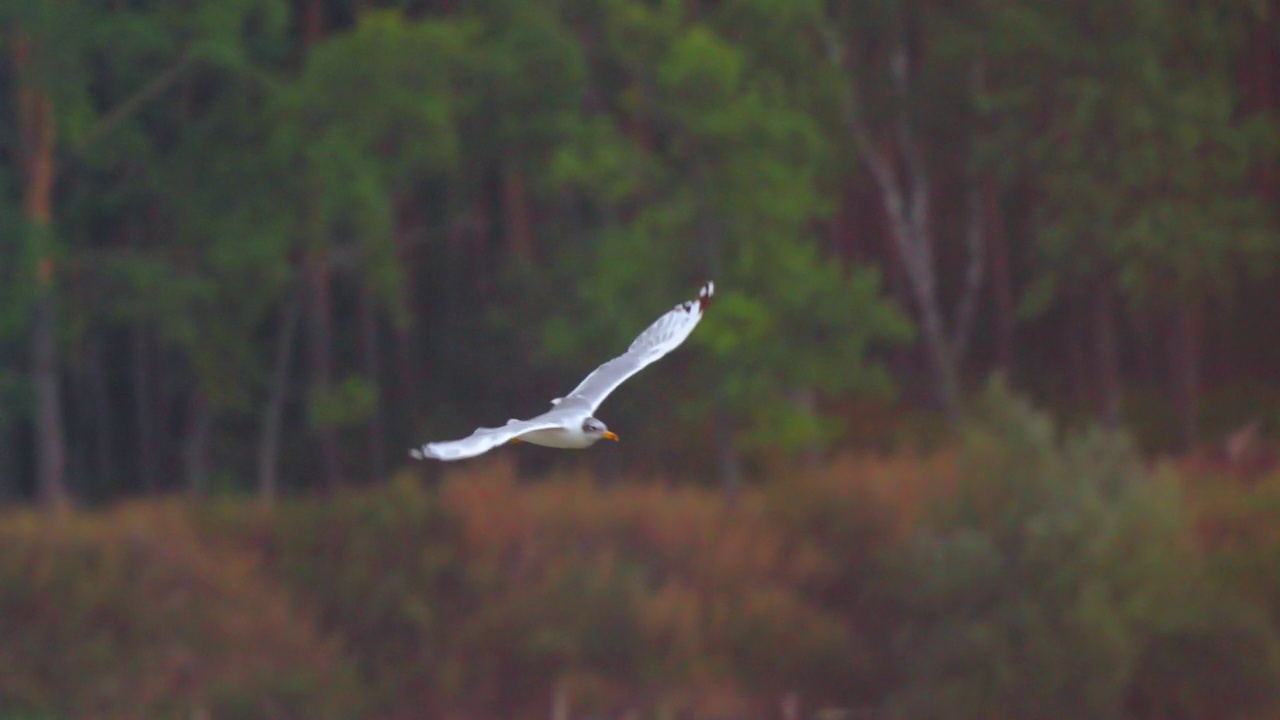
[(126, 614)]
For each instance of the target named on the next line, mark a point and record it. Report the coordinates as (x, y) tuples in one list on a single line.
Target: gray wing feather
[(664, 335), (484, 439)]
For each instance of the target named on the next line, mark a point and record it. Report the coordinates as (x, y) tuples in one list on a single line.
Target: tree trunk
[(515, 200), (410, 377), (144, 409), (103, 465), (946, 375), (1145, 347), (405, 404), (9, 488), (321, 351), (319, 301), (1001, 284), (273, 415), (728, 460), (1108, 357), (905, 361), (171, 388), (898, 165), (36, 128), (196, 444), (373, 372), (1077, 338), (51, 448), (1186, 372)]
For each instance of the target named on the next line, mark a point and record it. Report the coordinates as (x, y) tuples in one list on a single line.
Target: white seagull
[(569, 423)]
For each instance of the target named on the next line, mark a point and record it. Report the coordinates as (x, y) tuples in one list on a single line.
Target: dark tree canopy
[(266, 244)]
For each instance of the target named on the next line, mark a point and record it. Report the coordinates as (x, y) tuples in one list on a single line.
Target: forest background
[(251, 251)]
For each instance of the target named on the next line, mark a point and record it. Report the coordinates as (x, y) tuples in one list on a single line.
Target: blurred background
[(982, 424)]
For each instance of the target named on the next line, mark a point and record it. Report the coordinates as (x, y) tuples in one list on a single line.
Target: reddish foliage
[(127, 614)]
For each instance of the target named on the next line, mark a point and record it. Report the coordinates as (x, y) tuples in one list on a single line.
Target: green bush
[(1062, 580)]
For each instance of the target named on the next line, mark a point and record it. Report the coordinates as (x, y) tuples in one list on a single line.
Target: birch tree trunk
[(895, 156)]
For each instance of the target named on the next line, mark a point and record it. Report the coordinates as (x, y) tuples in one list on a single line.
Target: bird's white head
[(596, 430)]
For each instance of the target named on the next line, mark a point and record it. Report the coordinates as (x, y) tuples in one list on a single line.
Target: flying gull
[(570, 422)]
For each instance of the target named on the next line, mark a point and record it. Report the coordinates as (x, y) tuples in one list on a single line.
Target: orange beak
[(610, 436)]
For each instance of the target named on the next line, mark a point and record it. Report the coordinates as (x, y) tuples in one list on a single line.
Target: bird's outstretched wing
[(660, 338), (484, 439)]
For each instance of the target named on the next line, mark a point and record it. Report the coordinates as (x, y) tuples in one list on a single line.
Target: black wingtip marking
[(703, 301)]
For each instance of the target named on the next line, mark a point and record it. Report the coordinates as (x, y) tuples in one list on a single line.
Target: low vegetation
[(1024, 573)]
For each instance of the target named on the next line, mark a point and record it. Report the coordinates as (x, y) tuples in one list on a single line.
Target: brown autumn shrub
[(376, 568), (127, 614), (847, 515), (490, 598), (486, 597), (681, 594)]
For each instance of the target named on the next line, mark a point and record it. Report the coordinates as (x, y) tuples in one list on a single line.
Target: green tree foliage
[(1061, 581), (1143, 157), (716, 174), (372, 111), (372, 116), (446, 189)]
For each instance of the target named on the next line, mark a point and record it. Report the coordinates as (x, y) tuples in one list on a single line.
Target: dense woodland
[(980, 425), (268, 245)]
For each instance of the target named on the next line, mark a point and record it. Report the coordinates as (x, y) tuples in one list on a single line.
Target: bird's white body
[(569, 423), (570, 437)]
